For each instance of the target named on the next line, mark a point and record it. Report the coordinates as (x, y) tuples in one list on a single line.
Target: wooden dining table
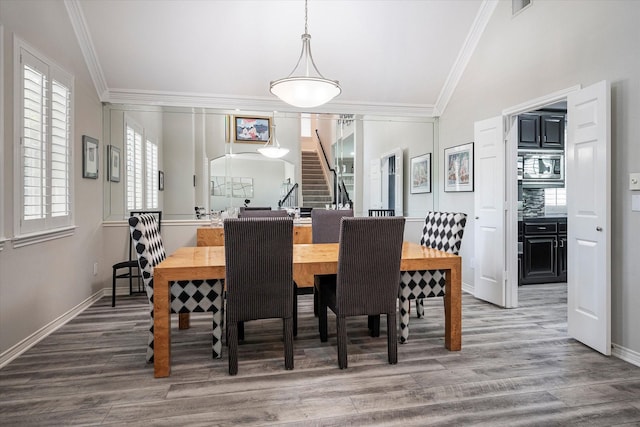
[(208, 262)]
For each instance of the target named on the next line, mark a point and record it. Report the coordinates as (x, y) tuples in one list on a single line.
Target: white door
[(588, 182), (489, 202)]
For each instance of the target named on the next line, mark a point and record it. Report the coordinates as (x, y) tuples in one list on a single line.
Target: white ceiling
[(389, 55)]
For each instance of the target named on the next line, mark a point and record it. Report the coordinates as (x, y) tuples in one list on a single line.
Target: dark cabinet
[(541, 131), (544, 256)]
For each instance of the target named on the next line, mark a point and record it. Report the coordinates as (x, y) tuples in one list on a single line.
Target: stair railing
[(336, 188), (289, 196)]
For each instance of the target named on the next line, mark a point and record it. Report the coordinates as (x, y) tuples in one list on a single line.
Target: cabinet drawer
[(540, 228)]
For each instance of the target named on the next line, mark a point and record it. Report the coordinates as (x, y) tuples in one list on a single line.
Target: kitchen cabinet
[(541, 131), (544, 256)]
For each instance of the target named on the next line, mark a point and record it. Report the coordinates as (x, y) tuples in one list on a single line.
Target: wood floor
[(517, 367)]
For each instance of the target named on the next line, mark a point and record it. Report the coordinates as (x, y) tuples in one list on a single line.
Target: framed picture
[(113, 160), (421, 174), (89, 157), (458, 168), (252, 129), (160, 181)]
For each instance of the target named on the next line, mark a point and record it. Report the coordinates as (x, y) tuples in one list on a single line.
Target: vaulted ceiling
[(390, 56)]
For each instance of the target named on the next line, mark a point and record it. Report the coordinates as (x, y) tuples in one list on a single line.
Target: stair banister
[(336, 189)]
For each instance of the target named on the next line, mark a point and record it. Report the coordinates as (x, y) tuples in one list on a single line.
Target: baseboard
[(46, 330), (625, 354)]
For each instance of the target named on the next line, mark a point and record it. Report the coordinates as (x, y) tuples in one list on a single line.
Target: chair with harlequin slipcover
[(442, 231), (259, 278), (188, 296)]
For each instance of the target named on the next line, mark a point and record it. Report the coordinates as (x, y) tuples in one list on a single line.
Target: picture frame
[(458, 168), (421, 174), (90, 157), (253, 130), (113, 164), (160, 181)]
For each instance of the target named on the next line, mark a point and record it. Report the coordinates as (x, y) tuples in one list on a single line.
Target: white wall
[(39, 283), (551, 46)]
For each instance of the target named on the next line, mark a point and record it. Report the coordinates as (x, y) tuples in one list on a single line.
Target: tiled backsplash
[(533, 202)]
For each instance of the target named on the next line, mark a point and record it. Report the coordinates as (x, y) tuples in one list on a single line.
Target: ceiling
[(390, 56)]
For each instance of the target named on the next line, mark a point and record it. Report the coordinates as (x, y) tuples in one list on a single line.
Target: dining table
[(208, 262)]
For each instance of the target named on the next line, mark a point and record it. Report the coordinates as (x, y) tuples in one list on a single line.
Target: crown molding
[(468, 47), (79, 24), (228, 102)]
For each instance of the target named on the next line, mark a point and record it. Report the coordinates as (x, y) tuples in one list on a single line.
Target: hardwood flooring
[(517, 367)]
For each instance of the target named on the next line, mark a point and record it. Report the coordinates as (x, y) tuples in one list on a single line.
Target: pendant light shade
[(273, 151), (305, 87)]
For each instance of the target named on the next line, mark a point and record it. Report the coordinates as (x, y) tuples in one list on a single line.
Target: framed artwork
[(242, 187), (160, 180), (421, 174), (458, 168), (113, 160), (252, 129), (89, 157)]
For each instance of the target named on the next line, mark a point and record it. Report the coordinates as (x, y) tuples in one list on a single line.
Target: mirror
[(190, 143)]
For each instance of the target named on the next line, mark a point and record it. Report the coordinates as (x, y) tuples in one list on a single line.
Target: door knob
[(598, 228), (477, 217)]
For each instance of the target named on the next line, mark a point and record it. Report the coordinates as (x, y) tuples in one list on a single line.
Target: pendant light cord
[(305, 17)]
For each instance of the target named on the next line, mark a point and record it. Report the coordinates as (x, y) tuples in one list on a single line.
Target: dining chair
[(130, 266), (442, 231), (382, 212), (325, 228), (370, 250), (186, 296), (259, 277)]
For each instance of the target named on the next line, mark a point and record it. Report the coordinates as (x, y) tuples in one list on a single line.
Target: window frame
[(51, 226)]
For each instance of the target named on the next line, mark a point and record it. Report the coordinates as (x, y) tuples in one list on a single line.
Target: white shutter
[(152, 175), (134, 169)]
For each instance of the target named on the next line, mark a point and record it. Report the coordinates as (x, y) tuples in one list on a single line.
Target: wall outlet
[(95, 268)]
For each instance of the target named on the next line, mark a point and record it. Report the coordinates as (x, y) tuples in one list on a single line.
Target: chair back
[(145, 233), (443, 231), (259, 268), (382, 212), (325, 224), (262, 213), (369, 265)]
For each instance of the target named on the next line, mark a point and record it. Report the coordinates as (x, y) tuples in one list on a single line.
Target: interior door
[(589, 216), (489, 203)]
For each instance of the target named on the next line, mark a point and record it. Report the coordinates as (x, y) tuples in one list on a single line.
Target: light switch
[(635, 202), (634, 181)]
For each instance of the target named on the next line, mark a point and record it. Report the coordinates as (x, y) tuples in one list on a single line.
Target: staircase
[(315, 190)]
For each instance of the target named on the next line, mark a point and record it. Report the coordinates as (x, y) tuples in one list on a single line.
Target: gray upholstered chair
[(259, 277), (325, 228), (367, 280), (442, 231), (186, 296), (260, 213)]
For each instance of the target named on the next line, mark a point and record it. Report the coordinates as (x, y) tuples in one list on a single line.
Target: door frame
[(509, 116)]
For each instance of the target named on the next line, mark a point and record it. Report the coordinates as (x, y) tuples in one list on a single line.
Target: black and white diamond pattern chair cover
[(442, 231), (186, 296)]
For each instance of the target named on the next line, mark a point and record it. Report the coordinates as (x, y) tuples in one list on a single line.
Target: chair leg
[(216, 344), (295, 310), (374, 325), (316, 302), (288, 343), (419, 308), (404, 317), (322, 321), (232, 344), (341, 330), (113, 293), (392, 338), (241, 331)]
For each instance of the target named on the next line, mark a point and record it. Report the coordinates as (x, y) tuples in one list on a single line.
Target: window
[(142, 169), (305, 125), (44, 152)]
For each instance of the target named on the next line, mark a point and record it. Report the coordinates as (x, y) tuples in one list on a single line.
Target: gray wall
[(39, 283), (551, 46)]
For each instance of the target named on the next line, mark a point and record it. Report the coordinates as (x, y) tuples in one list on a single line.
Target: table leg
[(453, 309), (183, 320), (161, 326)]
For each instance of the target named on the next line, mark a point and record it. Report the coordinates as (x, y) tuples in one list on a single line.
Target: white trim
[(468, 48), (534, 104), (625, 354), (2, 140), (42, 236), (47, 329), (79, 24)]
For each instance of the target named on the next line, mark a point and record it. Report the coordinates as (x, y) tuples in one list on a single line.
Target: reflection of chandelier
[(274, 150), (303, 89)]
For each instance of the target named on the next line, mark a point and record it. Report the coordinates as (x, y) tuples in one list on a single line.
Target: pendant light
[(305, 87), (273, 151)]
